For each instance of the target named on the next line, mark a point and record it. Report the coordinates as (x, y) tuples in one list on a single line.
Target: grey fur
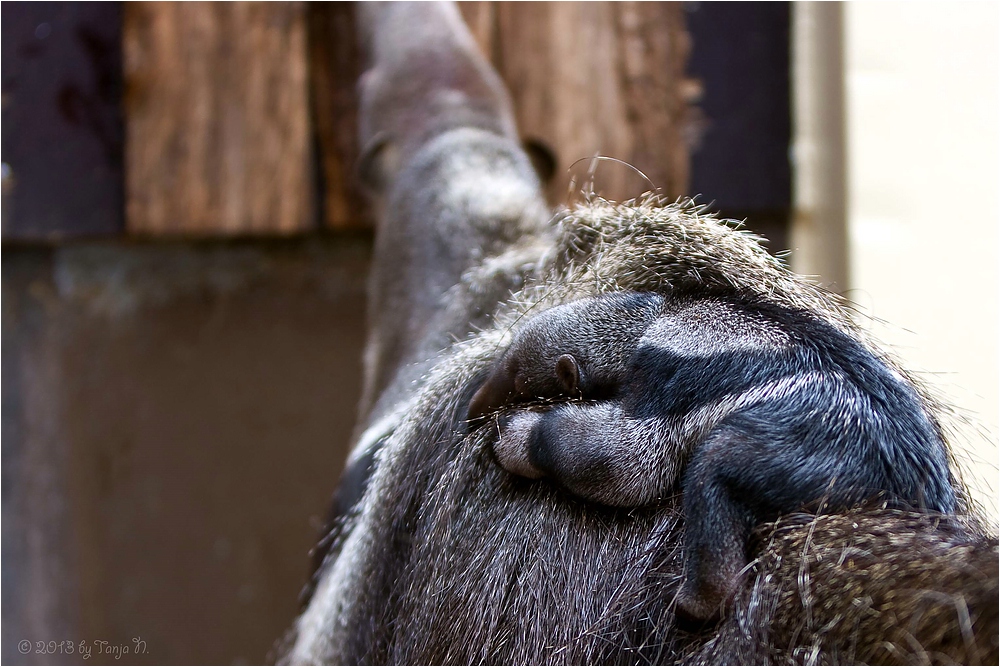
[(446, 557), (768, 410), (450, 559)]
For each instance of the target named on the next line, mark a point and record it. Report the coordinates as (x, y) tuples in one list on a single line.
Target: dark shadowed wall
[(188, 407)]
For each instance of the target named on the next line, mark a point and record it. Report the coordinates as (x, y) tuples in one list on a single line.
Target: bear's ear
[(378, 163), (568, 372)]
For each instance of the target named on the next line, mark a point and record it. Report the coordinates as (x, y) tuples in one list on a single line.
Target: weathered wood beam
[(217, 119), (598, 77), (334, 68)]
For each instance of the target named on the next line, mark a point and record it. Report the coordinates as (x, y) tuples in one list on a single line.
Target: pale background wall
[(909, 205)]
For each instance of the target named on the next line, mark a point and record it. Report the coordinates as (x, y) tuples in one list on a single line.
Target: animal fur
[(447, 558), (437, 555)]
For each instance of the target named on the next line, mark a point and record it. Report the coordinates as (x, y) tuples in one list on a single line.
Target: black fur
[(772, 411)]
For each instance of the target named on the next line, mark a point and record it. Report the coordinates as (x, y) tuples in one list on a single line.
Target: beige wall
[(921, 173)]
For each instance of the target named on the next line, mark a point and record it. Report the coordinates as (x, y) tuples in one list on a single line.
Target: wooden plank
[(217, 119), (334, 68), (62, 123), (481, 17), (598, 77), (585, 78), (653, 48)]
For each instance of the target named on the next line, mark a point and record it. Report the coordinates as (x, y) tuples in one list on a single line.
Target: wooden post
[(585, 78), (334, 68), (217, 119), (597, 77), (217, 106), (62, 121)]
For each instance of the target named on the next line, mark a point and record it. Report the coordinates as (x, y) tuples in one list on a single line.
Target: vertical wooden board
[(480, 16), (334, 68), (599, 78), (62, 124), (653, 47), (217, 119), (585, 78)]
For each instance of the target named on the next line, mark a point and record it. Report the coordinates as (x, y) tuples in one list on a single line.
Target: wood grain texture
[(334, 68), (585, 78), (481, 17), (217, 119), (595, 78)]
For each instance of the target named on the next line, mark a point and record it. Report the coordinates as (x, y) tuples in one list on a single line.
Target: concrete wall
[(174, 421)]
